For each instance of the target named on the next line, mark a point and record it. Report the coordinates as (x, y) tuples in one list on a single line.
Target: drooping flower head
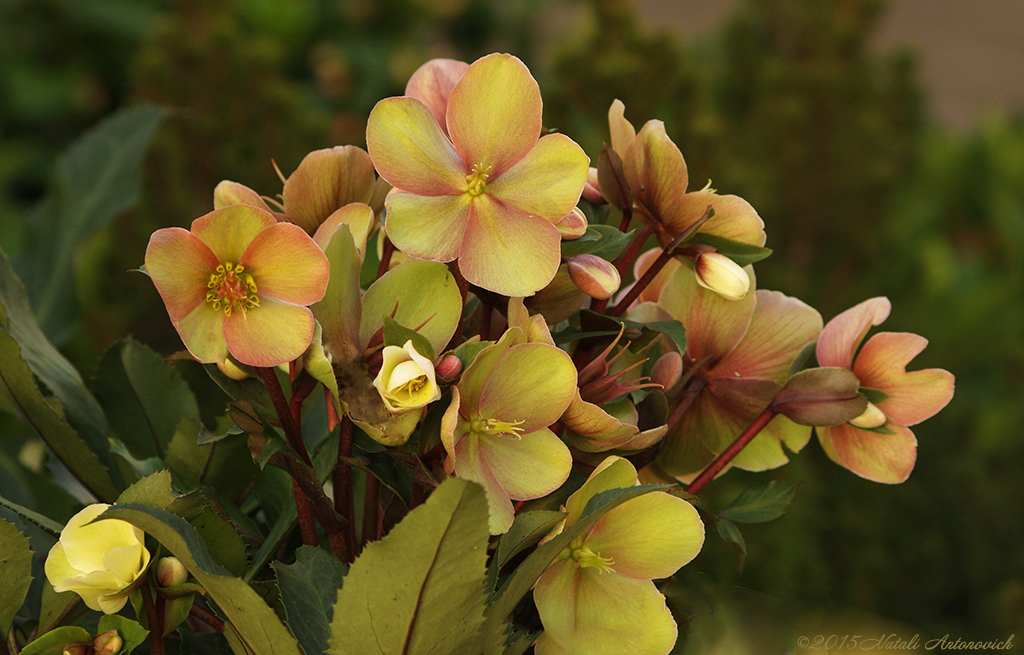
[(597, 596), (98, 561), (878, 445), (482, 186), (496, 429), (239, 282)]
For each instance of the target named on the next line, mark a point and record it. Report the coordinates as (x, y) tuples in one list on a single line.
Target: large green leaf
[(761, 504), (130, 631), (254, 627), (19, 388), (144, 398), (15, 572), (96, 178), (420, 590), (309, 589), (53, 642)]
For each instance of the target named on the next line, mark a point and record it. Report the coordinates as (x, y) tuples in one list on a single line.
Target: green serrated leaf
[(761, 504), (15, 572), (527, 529), (396, 334), (420, 590), (254, 628), (144, 398), (46, 523), (604, 241), (130, 631), (743, 254), (309, 589), (96, 179)]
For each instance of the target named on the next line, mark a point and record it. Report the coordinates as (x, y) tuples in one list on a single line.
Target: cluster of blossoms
[(497, 311)]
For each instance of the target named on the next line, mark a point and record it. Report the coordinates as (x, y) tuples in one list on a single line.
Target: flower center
[(408, 378), (493, 426), (230, 288), (871, 418), (586, 559), (476, 181)]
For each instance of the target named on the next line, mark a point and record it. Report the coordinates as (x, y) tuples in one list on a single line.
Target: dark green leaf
[(605, 241), (761, 504), (674, 330), (741, 253), (252, 623), (309, 589), (15, 572), (53, 642), (96, 179), (420, 590), (144, 398), (874, 396), (730, 532), (130, 631), (47, 524), (527, 529)]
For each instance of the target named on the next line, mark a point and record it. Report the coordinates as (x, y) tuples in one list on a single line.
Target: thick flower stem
[(713, 469), (307, 527), (626, 259), (627, 218), (385, 258), (620, 308), (155, 620), (342, 479), (207, 617)]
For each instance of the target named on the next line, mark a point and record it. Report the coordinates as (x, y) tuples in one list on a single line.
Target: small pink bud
[(871, 418), (573, 225), (592, 190), (594, 276), (170, 572), (449, 367), (108, 643), (722, 275), (667, 370)]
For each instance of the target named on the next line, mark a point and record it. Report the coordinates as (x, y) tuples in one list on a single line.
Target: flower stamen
[(230, 288), (476, 181)]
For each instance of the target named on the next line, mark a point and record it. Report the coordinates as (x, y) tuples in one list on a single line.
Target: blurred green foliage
[(787, 107)]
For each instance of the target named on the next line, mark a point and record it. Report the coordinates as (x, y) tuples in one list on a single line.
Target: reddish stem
[(342, 478), (713, 469), (627, 218), (207, 617), (307, 527), (628, 256), (155, 621), (292, 431), (385, 258)]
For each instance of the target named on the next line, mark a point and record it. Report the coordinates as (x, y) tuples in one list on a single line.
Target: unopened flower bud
[(592, 190), (449, 367), (170, 572), (594, 276), (871, 418), (667, 370), (573, 225), (722, 275), (108, 643), (77, 648)]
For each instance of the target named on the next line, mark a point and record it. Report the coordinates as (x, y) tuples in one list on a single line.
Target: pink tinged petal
[(886, 458), (228, 193), (269, 335), (180, 266), (508, 251), (714, 325), (683, 453), (411, 152), (477, 375), (287, 265), (547, 181), (655, 170), (428, 227), (532, 383), (622, 131), (471, 464), (842, 335), (325, 181), (779, 329), (494, 113), (202, 332), (913, 397), (359, 218), (432, 84), (729, 405), (734, 217), (587, 611), (449, 425), (592, 429), (529, 465), (229, 231), (648, 537)]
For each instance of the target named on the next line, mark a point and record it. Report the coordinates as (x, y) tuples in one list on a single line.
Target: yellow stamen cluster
[(587, 559), (230, 287), (493, 426), (477, 179)]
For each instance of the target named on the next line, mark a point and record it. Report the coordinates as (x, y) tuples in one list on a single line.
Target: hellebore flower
[(238, 282), (406, 379), (598, 597), (878, 444), (482, 187), (657, 175), (496, 429), (100, 562), (742, 350), (722, 275)]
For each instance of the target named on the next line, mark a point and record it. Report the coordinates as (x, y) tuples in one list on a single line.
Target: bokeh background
[(882, 143)]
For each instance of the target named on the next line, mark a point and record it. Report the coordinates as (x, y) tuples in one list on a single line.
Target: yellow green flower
[(406, 379)]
